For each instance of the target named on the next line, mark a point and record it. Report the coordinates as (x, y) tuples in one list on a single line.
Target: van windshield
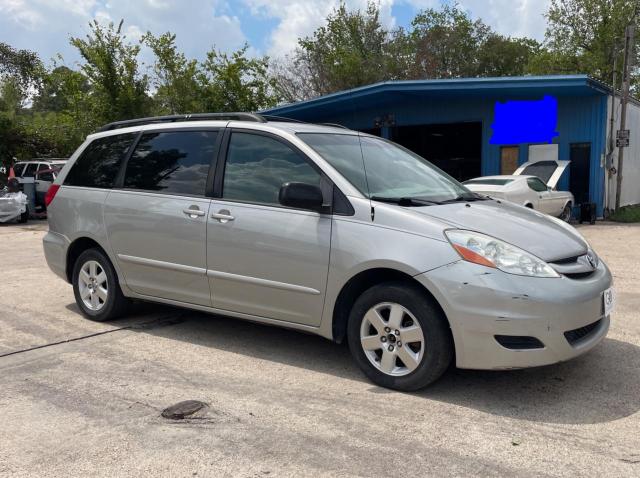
[(382, 170)]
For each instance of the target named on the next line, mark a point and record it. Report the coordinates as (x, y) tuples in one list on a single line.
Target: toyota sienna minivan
[(325, 230)]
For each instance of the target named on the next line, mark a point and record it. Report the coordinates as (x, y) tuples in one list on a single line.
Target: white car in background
[(532, 185)]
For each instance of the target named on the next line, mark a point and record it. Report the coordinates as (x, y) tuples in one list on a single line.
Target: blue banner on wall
[(521, 121)]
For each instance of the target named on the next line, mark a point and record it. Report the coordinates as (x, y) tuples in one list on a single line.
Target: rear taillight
[(51, 193)]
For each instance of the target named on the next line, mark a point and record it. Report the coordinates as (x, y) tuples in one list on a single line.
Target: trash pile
[(13, 202)]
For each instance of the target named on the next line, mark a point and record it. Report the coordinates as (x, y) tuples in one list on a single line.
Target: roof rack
[(282, 119), (335, 125), (177, 118)]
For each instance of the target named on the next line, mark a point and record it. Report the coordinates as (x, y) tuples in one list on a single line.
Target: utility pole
[(612, 141), (628, 48)]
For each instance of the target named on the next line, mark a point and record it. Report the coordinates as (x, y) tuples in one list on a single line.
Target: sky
[(270, 27)]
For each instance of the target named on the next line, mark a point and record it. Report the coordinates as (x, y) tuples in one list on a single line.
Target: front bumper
[(481, 303)]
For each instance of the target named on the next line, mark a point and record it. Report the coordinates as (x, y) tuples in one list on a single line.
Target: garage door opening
[(455, 148)]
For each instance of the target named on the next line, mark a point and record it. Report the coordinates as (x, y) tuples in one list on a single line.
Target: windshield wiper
[(475, 197), (404, 201)]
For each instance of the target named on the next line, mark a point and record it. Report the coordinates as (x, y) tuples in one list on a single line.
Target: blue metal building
[(450, 122)]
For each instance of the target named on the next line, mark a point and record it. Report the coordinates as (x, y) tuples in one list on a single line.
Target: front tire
[(566, 213), (96, 288), (399, 336)]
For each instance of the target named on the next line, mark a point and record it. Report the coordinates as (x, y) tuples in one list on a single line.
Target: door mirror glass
[(301, 196)]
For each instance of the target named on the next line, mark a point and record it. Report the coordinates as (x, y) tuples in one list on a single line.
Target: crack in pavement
[(160, 322)]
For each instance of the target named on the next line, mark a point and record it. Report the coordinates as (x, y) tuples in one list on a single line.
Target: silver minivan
[(325, 230)]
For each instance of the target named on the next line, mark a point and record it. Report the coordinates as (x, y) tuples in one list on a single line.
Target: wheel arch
[(77, 247), (359, 283)]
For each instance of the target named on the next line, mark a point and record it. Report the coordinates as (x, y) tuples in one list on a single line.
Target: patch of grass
[(627, 214)]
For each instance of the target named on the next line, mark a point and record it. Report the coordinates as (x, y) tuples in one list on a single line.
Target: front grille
[(576, 335), (576, 267), (519, 342), (567, 260)]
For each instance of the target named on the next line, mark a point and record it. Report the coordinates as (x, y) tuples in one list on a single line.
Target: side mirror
[(301, 196)]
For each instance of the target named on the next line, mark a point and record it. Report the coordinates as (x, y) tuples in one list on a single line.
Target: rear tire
[(24, 217), (96, 288), (385, 315)]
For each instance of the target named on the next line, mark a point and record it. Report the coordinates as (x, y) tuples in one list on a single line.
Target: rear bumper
[(481, 303), (55, 252)]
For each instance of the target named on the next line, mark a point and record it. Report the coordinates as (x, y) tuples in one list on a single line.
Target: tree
[(235, 82), (586, 36), (111, 66), (22, 66), (447, 43), (352, 49), (505, 56), (175, 77)]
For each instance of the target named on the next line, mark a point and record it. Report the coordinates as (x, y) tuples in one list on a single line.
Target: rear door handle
[(223, 216), (193, 212)]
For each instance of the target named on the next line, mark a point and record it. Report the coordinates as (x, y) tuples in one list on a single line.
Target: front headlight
[(491, 252)]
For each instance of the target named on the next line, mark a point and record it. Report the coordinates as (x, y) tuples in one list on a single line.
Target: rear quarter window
[(99, 163), (174, 162)]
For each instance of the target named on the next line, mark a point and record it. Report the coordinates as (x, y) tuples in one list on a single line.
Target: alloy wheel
[(93, 285), (392, 339)]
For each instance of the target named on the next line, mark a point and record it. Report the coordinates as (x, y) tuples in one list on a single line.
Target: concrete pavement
[(80, 398)]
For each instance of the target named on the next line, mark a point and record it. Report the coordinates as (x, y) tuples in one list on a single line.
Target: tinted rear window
[(542, 169), (173, 162), (491, 182), (99, 163)]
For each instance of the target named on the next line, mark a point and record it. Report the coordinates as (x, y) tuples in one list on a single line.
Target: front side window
[(30, 170), (18, 168), (257, 167), (99, 163), (381, 169), (172, 162), (536, 184)]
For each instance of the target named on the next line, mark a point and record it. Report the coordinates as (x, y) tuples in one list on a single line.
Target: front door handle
[(193, 212), (222, 215)]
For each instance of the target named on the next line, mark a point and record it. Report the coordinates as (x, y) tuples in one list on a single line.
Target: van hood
[(534, 232)]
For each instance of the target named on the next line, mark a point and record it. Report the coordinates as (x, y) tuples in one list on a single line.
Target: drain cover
[(184, 409)]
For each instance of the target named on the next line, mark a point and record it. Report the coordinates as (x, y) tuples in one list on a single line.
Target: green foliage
[(23, 67), (586, 36), (627, 214), (178, 90), (352, 49), (111, 66), (221, 83), (447, 43), (235, 82)]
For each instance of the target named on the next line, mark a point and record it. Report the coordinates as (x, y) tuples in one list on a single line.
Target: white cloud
[(46, 25), (511, 17), (299, 18)]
